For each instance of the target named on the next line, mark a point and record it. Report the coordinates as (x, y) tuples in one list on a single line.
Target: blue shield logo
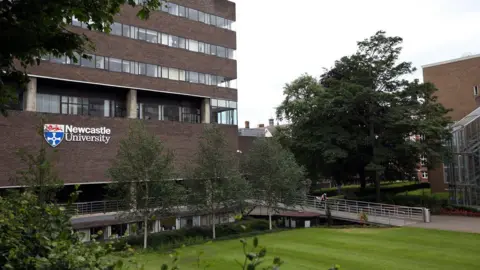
[(53, 134)]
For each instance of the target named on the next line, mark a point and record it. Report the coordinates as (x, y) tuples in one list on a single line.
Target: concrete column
[(30, 96), (132, 104), (205, 111), (177, 223), (107, 233)]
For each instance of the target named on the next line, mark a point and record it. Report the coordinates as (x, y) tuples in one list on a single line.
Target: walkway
[(452, 223)]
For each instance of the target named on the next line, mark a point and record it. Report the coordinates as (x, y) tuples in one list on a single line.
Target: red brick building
[(457, 81), (177, 71)]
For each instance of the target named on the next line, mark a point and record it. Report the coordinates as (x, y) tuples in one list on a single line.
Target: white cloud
[(278, 40)]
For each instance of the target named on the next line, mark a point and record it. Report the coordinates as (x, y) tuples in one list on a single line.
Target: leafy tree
[(40, 175), (274, 175), (36, 28), (142, 176), (215, 184), (358, 120), (40, 236)]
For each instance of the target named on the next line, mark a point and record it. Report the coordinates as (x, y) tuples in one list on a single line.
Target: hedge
[(356, 192), (195, 235)]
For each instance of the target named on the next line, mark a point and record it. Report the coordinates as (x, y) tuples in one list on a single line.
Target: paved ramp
[(452, 223)]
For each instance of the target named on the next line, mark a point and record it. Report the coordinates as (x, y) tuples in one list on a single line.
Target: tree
[(359, 123), (143, 176), (36, 28), (274, 175), (39, 176), (215, 184), (37, 235)]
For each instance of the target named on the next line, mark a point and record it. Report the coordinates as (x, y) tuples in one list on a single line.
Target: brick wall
[(81, 162)]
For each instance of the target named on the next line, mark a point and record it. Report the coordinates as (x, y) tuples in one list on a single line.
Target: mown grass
[(319, 248)]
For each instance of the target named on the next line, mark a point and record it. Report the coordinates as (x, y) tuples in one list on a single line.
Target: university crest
[(53, 134)]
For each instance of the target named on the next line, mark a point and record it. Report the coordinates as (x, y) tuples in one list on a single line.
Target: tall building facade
[(458, 83), (177, 71)]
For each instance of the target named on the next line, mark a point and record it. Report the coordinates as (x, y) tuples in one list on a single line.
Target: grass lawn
[(426, 192), (356, 249)]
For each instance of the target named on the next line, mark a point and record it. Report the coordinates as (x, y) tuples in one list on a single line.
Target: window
[(85, 62), (173, 41), (165, 72), (193, 45), (76, 22), (212, 20), (173, 74), (171, 113), (173, 9), (126, 30), (423, 160), (133, 32), (424, 174), (142, 34), (213, 49), (126, 66), (152, 70), (201, 78), (193, 14), (150, 112), (48, 103), (116, 29), (223, 112), (201, 47), (99, 107), (182, 12), (151, 36), (115, 64), (193, 77), (165, 39), (190, 115), (220, 22), (100, 62), (142, 69), (201, 16), (182, 43), (231, 54), (181, 75), (221, 52), (475, 90), (74, 105), (59, 59)]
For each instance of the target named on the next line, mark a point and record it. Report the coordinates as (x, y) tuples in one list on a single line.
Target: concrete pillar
[(177, 223), (132, 104), (107, 233), (30, 96), (205, 111)]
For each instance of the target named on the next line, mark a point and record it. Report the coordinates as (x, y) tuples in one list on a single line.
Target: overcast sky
[(278, 40)]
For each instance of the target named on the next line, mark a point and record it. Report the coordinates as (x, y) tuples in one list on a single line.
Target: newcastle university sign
[(54, 134)]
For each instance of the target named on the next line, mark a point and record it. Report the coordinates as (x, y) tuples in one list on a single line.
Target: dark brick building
[(458, 83), (177, 71)]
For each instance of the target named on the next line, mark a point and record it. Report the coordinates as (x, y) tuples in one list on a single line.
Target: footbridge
[(348, 210), (355, 211)]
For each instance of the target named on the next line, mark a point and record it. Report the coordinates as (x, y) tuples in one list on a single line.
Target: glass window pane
[(221, 52), (59, 59), (48, 103), (151, 36), (165, 72), (182, 43), (64, 108), (116, 29), (150, 111), (173, 41), (214, 102), (207, 18), (220, 22), (208, 79), (207, 48), (231, 54), (181, 75), (164, 39), (233, 104), (173, 9), (99, 62), (171, 113), (193, 45), (182, 11), (126, 30), (142, 34), (126, 66), (152, 70), (133, 32), (193, 14), (212, 20), (76, 22), (213, 49), (201, 78), (173, 74), (193, 77), (114, 64), (88, 62), (201, 16), (142, 69), (222, 103), (201, 47), (133, 67)]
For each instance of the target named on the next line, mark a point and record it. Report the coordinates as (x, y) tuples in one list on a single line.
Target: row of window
[(60, 104), (152, 36), (137, 68), (194, 15)]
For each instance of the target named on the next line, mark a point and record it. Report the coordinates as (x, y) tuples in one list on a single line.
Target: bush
[(354, 192), (195, 235)]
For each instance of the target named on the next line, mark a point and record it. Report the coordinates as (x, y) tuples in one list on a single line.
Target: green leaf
[(255, 242)]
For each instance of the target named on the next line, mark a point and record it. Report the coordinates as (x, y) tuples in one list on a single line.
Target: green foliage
[(39, 176), (273, 174), (36, 28), (357, 120), (358, 193), (215, 182), (142, 174), (167, 240), (40, 236)]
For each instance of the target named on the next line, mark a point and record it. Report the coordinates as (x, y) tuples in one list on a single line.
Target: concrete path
[(452, 223)]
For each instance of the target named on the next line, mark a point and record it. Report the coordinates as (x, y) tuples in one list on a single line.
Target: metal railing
[(309, 202), (371, 209)]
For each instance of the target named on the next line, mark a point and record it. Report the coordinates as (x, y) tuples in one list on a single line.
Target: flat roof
[(452, 60)]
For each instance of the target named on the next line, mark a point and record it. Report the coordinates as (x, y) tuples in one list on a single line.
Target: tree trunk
[(270, 219), (363, 180), (213, 226), (145, 232)]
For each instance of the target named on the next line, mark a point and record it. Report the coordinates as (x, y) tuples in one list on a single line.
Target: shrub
[(355, 192), (195, 235)]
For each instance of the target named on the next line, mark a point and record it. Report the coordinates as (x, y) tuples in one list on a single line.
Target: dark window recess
[(171, 113), (190, 115)]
